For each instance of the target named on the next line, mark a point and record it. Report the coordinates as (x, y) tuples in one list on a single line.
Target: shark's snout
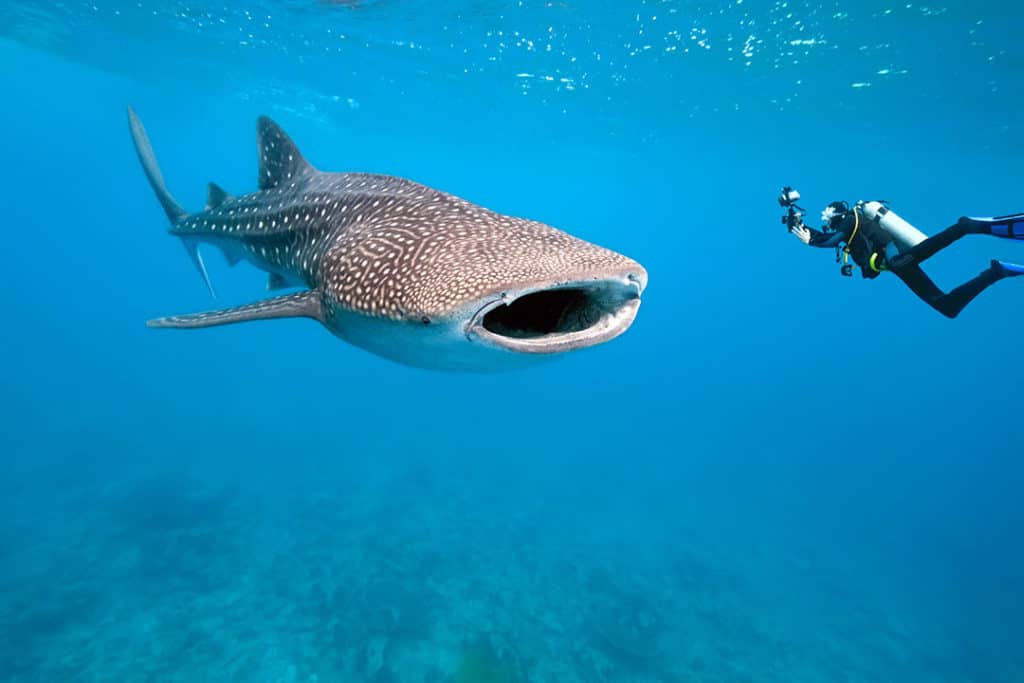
[(559, 316)]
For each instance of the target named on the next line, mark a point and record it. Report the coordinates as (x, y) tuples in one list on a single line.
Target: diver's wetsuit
[(868, 250)]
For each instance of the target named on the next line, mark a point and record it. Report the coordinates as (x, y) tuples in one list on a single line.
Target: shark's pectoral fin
[(301, 305)]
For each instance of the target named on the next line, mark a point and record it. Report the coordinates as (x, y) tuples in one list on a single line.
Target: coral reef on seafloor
[(628, 633), (175, 578), (479, 663)]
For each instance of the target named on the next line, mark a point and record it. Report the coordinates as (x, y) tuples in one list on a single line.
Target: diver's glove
[(802, 233)]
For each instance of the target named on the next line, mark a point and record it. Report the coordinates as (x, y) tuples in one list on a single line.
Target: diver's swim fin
[(1010, 227), (1008, 269)]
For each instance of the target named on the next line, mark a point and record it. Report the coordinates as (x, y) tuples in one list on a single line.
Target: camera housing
[(793, 219), (789, 197), (794, 214)]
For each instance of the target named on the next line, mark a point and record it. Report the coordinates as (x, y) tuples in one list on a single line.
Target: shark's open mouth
[(560, 318)]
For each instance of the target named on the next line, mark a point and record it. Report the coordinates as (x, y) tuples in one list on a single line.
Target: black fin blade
[(215, 196), (301, 305), (280, 159)]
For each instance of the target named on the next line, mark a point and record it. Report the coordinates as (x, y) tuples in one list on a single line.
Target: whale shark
[(399, 269)]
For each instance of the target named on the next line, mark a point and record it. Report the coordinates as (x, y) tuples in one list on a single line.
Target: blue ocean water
[(777, 474)]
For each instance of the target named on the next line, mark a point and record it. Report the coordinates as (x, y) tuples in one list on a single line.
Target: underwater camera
[(794, 214), (789, 197)]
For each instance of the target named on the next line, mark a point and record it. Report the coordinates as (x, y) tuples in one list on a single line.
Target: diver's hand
[(802, 233)]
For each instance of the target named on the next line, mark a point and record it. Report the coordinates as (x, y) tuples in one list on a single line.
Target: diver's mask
[(827, 215), (833, 215)]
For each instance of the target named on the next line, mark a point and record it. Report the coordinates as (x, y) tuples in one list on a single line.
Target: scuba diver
[(878, 240)]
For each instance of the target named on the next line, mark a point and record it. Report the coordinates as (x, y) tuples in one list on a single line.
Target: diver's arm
[(826, 239), (816, 238)]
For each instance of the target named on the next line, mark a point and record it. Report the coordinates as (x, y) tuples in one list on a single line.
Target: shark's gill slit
[(556, 311)]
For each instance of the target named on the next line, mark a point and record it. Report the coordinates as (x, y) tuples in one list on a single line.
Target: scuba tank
[(903, 234)]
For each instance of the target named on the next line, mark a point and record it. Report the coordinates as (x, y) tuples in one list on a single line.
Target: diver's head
[(833, 215)]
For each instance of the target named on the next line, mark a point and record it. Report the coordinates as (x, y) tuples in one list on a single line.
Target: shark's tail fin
[(174, 210)]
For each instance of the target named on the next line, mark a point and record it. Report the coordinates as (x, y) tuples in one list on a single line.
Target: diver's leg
[(952, 303), (939, 241), (1009, 269), (1011, 226)]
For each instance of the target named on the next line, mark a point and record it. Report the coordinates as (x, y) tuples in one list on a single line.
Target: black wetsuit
[(870, 239)]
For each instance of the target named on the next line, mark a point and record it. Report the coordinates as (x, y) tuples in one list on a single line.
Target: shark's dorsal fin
[(280, 159), (301, 305), (215, 196), (276, 281)]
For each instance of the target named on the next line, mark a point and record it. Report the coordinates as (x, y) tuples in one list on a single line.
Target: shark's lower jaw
[(559, 317)]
